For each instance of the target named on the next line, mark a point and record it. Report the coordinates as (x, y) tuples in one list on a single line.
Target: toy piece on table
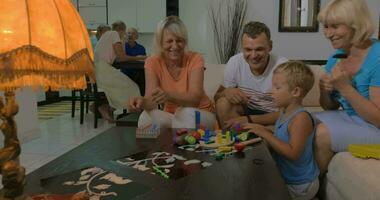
[(212, 144), (180, 140), (251, 141), (201, 132), (196, 135), (160, 172), (243, 136), (219, 156), (219, 137), (237, 128), (197, 119), (239, 147), (206, 136), (190, 139), (228, 137), (181, 131), (149, 131), (225, 149)]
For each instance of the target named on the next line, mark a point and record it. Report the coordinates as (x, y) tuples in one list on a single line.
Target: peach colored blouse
[(192, 61)]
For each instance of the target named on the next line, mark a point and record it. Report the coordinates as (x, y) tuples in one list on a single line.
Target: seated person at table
[(132, 48), (136, 51), (295, 127), (174, 78), (100, 30), (117, 87)]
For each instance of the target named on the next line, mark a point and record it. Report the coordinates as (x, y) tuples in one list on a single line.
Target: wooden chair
[(85, 97)]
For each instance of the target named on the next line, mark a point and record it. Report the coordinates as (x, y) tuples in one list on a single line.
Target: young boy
[(292, 140)]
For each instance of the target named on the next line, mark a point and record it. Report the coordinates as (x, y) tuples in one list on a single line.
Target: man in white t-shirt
[(248, 78)]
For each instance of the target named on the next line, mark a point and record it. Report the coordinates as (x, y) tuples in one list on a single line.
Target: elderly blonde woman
[(352, 83), (117, 87), (174, 79)]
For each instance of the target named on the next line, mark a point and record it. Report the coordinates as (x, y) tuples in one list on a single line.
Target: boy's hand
[(257, 129), (238, 120)]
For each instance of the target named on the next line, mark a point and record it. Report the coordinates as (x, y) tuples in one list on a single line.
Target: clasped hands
[(339, 79)]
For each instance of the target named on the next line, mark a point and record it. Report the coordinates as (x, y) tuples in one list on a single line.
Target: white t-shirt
[(238, 74), (104, 48)]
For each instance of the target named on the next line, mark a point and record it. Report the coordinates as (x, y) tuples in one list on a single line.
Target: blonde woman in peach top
[(174, 79)]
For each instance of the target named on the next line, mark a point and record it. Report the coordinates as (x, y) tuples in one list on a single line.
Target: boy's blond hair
[(298, 75)]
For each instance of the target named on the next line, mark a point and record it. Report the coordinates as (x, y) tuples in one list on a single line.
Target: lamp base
[(13, 174)]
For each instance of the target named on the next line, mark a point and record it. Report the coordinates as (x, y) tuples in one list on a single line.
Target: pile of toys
[(222, 142)]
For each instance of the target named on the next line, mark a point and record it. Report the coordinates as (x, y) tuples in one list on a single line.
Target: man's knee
[(222, 104)]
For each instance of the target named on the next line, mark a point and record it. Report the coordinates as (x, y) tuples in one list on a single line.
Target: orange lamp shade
[(43, 43)]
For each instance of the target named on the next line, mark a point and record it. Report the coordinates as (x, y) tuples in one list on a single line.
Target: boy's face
[(281, 92)]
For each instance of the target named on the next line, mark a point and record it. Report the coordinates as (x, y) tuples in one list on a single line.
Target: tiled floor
[(56, 137)]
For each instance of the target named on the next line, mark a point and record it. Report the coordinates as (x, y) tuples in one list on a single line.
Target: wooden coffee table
[(235, 177)]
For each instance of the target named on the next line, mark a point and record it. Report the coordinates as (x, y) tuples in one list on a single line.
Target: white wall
[(310, 46), (26, 118)]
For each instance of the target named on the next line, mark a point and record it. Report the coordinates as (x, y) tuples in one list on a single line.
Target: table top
[(235, 177)]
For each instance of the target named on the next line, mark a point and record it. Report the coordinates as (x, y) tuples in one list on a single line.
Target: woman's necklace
[(174, 71)]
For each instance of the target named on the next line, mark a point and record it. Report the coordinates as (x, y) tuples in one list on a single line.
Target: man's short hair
[(298, 74), (253, 28), (119, 26)]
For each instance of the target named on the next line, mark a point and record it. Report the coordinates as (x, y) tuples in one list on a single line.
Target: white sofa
[(348, 177)]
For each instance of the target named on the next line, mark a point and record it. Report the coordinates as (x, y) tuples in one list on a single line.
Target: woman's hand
[(159, 96), (136, 104), (325, 83), (341, 79)]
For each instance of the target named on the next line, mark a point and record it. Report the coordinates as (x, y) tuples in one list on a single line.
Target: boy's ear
[(297, 92)]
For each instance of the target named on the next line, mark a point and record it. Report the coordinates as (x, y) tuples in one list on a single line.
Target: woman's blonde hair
[(353, 13), (172, 24)]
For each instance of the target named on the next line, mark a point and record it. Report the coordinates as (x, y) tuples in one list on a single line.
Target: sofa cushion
[(312, 98), (213, 78), (353, 178)]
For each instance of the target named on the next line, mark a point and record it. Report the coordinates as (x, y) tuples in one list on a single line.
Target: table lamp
[(43, 43)]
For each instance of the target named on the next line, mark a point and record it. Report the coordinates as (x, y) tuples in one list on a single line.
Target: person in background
[(116, 86), (99, 32), (174, 79), (245, 92), (292, 141), (132, 48), (137, 51), (352, 83)]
